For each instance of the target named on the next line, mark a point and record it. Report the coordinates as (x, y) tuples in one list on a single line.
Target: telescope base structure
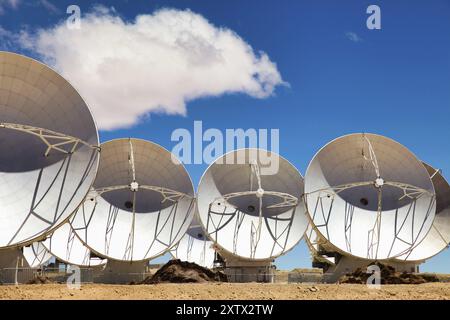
[(346, 265), (14, 268), (241, 270), (123, 272)]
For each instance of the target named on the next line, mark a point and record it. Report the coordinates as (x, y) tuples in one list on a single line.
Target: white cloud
[(353, 37), (5, 33), (8, 4), (8, 40), (156, 63), (49, 6)]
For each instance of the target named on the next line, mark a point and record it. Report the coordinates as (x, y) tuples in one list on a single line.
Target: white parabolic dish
[(369, 196), (249, 214), (48, 150), (141, 204), (65, 245)]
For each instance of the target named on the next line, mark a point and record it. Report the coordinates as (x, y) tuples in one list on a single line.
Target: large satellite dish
[(48, 150), (369, 197), (247, 213), (65, 245), (36, 254), (195, 246), (438, 238), (141, 204)]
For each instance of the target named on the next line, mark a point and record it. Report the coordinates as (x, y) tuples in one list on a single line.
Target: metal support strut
[(45, 135)]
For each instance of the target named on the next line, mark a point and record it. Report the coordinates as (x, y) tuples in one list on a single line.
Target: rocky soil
[(176, 271), (388, 276)]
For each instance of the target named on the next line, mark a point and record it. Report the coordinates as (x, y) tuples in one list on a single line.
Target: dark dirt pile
[(388, 276), (40, 280), (177, 271)]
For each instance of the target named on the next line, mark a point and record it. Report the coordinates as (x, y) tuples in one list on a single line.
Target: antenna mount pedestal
[(123, 272), (241, 270)]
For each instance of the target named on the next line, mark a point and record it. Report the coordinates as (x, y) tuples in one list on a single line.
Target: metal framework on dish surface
[(373, 237), (168, 195), (287, 201), (45, 136), (191, 255), (72, 240)]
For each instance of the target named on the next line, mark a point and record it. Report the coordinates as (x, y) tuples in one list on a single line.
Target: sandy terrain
[(227, 291)]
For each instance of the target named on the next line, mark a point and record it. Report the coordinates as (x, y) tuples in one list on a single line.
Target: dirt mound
[(40, 280), (388, 276), (177, 271)]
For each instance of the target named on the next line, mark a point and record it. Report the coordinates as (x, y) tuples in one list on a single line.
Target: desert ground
[(227, 291)]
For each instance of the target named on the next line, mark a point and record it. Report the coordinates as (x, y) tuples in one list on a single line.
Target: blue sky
[(394, 81)]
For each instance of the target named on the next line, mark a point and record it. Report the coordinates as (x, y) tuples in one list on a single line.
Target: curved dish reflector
[(369, 196), (66, 246), (48, 150), (250, 210), (141, 203), (438, 238), (36, 254), (195, 246)]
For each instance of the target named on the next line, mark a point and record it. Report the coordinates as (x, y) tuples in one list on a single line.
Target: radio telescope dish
[(369, 196), (195, 246), (36, 254), (66, 246), (48, 150), (438, 238), (141, 203), (247, 213)]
